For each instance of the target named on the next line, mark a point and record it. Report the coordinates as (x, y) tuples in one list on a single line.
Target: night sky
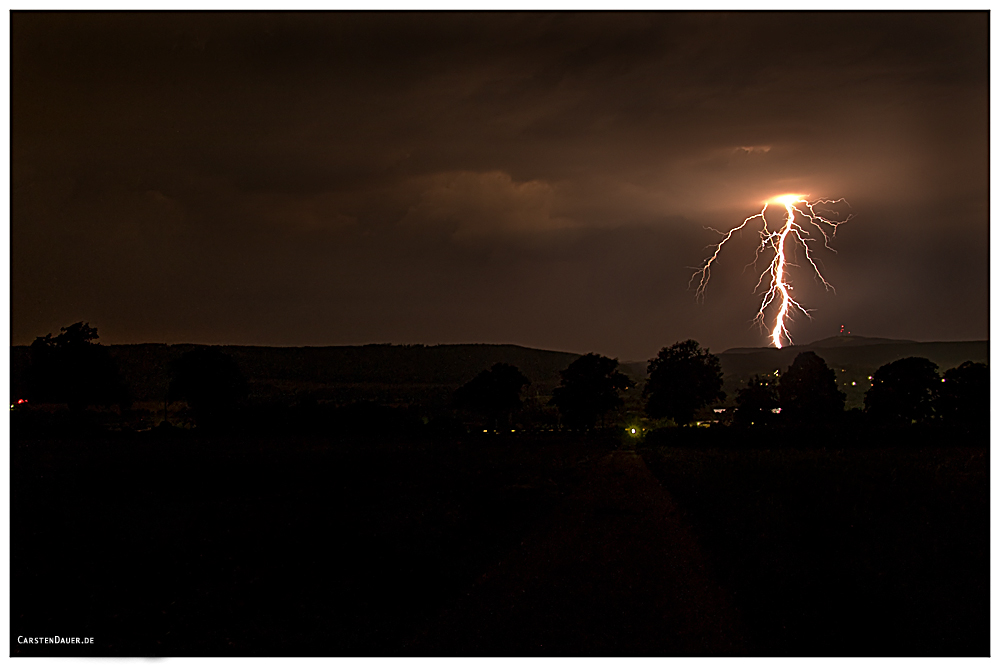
[(542, 179)]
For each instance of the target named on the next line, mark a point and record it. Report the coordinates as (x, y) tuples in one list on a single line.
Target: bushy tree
[(494, 394), (808, 394), (589, 390), (682, 379), (965, 394), (904, 391), (211, 383), (755, 403), (71, 368)]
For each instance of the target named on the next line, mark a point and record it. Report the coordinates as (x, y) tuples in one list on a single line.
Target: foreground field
[(185, 546), (880, 551), (563, 545)]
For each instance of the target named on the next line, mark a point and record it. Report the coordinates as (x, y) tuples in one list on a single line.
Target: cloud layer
[(536, 178)]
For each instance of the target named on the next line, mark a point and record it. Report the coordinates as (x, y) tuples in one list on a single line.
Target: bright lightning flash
[(779, 287)]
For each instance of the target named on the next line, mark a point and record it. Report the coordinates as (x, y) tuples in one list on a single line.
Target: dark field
[(195, 547), (516, 545), (852, 552)]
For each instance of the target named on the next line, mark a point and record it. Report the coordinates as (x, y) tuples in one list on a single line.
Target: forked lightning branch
[(802, 219)]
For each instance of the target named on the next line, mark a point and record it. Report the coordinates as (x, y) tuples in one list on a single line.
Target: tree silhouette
[(965, 394), (211, 383), (904, 391), (807, 392), (589, 390), (682, 379), (755, 403), (71, 368), (494, 394)]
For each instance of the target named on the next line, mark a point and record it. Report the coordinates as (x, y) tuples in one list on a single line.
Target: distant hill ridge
[(854, 358), (845, 340), (147, 367), (392, 373), (855, 350)]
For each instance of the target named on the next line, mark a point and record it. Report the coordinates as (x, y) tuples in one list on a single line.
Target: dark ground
[(851, 552), (518, 545)]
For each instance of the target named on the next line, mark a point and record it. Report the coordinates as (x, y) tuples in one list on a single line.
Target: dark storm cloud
[(543, 179)]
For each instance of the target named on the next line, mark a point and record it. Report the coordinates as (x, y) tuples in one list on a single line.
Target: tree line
[(683, 380), (74, 369)]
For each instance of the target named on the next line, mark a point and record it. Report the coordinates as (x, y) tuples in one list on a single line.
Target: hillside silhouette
[(388, 373), (854, 350), (429, 374), (854, 358)]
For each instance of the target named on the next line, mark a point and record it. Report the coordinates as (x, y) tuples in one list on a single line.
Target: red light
[(21, 400)]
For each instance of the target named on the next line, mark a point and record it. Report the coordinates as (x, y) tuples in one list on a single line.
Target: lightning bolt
[(801, 218)]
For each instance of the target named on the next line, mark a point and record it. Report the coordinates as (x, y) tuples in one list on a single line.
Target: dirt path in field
[(612, 571)]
